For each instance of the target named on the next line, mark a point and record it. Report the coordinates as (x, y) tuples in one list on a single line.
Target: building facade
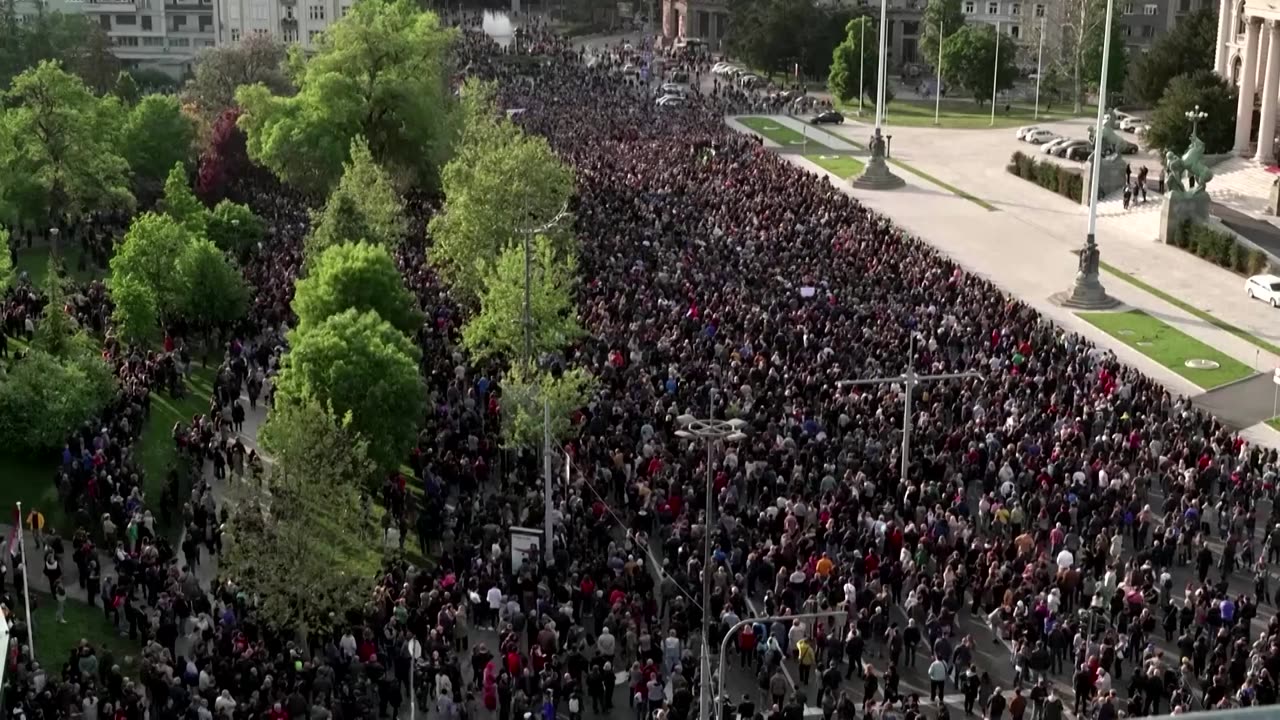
[(1248, 55), (706, 20), (290, 21), (1144, 21)]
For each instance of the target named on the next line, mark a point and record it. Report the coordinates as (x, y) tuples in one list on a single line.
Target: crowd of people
[(1053, 499)]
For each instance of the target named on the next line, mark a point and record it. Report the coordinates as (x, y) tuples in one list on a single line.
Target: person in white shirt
[(937, 679), (495, 604)]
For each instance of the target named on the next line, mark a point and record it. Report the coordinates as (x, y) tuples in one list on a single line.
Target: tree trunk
[(1078, 95)]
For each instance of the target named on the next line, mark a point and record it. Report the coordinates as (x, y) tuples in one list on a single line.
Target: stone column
[(1244, 109), (1270, 86), (1220, 54), (1264, 44)]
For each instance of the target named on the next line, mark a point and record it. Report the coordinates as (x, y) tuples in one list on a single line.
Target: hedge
[(1048, 175), (1219, 248)]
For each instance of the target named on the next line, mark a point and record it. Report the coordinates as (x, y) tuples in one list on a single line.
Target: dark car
[(1079, 152), (830, 116)]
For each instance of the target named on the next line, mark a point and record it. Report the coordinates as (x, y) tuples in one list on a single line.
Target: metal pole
[(724, 643), (909, 382), (883, 61), (937, 90), (528, 318), (413, 695), (705, 695), (862, 59), (1094, 170), (548, 526), (995, 77), (1040, 58), (26, 582)]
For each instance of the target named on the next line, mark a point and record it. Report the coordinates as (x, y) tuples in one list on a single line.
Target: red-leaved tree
[(226, 160)]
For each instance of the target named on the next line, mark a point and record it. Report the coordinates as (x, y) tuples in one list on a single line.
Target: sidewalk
[(1032, 261)]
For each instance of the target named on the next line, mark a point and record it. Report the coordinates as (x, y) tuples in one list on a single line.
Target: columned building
[(1248, 55)]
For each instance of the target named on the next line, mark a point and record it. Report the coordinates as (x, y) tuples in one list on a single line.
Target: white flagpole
[(862, 59), (26, 582), (995, 76), (937, 89), (1039, 67)]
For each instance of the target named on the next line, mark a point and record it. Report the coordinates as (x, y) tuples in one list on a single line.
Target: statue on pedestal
[(1190, 166)]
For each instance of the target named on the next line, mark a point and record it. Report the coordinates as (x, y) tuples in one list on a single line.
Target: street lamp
[(1087, 292), (876, 174), (708, 431), (937, 88), (995, 76), (909, 379), (1039, 66), (528, 274), (1195, 116), (862, 60), (724, 643)]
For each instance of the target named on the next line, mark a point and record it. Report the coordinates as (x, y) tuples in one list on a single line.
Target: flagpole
[(26, 582), (995, 76)]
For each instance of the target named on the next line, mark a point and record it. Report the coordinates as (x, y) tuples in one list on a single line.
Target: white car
[(1130, 124), (1037, 137), (673, 89), (1265, 288), (670, 101), (1022, 131), (1049, 147)]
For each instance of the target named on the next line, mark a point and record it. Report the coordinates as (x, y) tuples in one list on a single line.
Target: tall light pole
[(1039, 65), (724, 643), (708, 431), (937, 88), (995, 76), (1086, 292), (1195, 116), (876, 174), (528, 233), (862, 59), (909, 380)]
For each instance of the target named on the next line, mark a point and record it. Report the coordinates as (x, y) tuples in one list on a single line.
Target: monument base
[(1178, 209), (1112, 177), (1087, 293), (877, 176)]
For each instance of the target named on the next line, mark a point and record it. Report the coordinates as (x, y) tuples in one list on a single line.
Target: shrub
[(1048, 175), (1219, 248)]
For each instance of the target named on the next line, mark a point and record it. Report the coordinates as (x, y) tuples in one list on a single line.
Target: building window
[(179, 42), (205, 23), (146, 22), (289, 35), (317, 12), (1039, 10), (342, 11), (153, 42), (969, 8), (313, 36), (261, 32), (179, 22), (1128, 8), (993, 8), (1148, 31), (235, 35), (1015, 32), (1015, 8), (1150, 9), (125, 41), (126, 20), (1128, 31), (259, 12)]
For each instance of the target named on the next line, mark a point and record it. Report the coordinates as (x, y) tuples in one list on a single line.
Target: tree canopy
[(355, 276), (854, 62), (524, 389), (314, 485), (157, 136), (219, 72), (1186, 49), (501, 183), (969, 58), (777, 35), (379, 72), (72, 39), (234, 228), (59, 149), (947, 15), (360, 364), (44, 397), (363, 207), (1118, 67), (1171, 130)]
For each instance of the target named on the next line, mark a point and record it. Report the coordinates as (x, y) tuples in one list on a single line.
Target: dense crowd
[(1053, 498)]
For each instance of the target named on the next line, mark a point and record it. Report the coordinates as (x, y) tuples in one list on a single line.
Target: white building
[(1248, 55), (291, 21), (160, 34)]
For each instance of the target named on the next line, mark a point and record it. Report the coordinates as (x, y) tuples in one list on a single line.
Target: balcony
[(289, 21), (110, 6), (188, 7)]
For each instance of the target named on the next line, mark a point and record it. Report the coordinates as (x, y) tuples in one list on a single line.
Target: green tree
[(43, 398), (525, 389), (1185, 49), (157, 137), (1118, 68), (234, 228), (1170, 129), (136, 315), (947, 15), (219, 72), (360, 364), (365, 206), (181, 204), (356, 276), (498, 329), (126, 89), (54, 333), (320, 465), (854, 62), (6, 262), (969, 60), (72, 39), (213, 292), (495, 190), (147, 256), (58, 150), (1083, 28), (771, 34), (380, 72)]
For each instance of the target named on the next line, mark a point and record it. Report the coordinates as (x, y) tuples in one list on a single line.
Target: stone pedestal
[(877, 175), (1273, 201), (1087, 292), (1112, 177), (1179, 208)]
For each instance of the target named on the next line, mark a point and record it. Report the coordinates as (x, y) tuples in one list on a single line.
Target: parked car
[(1040, 136), (1265, 288), (1067, 147), (1022, 131), (672, 89), (830, 116), (1053, 145), (1079, 153), (670, 101), (1130, 124)]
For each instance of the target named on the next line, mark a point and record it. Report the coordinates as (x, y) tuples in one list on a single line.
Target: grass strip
[(843, 165), (773, 130), (1220, 324), (1169, 346)]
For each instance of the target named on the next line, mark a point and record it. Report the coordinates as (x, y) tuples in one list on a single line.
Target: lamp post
[(995, 76), (1039, 66), (1086, 292), (1195, 116), (724, 643), (876, 174), (862, 60), (937, 88), (909, 380), (528, 274), (708, 431)]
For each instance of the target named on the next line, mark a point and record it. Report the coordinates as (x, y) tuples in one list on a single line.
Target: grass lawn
[(962, 114), (773, 130), (1274, 423), (1168, 346), (35, 262), (29, 480), (54, 641), (842, 165), (155, 448)]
